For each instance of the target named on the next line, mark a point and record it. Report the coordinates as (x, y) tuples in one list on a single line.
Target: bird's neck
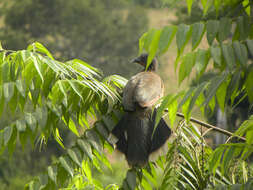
[(152, 67)]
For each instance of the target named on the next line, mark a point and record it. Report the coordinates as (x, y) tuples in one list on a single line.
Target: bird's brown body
[(134, 130), (145, 89)]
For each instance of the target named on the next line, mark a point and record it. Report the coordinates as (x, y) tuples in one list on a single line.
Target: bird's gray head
[(143, 59)]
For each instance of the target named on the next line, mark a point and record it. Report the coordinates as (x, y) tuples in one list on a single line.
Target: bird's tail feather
[(134, 134)]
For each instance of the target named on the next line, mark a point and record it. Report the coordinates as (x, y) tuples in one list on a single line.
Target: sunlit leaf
[(152, 49), (40, 48), (189, 5), (166, 37), (72, 127)]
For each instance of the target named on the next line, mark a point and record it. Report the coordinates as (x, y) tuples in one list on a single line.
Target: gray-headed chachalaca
[(134, 131)]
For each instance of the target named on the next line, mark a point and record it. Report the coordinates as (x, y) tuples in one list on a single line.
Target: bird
[(133, 134)]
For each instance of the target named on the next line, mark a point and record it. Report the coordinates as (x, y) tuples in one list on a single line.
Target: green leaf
[(74, 157), (221, 95), (94, 140), (101, 128), (186, 97), (40, 48), (12, 141), (206, 5), (198, 30), (146, 40), (212, 28), (58, 138), (52, 173), (245, 4), (213, 86), (72, 127), (250, 46), (249, 136), (103, 159), (131, 179), (37, 65), (13, 102), (224, 29), (233, 86), (186, 66), (197, 93), (217, 5), (75, 88), (8, 89), (189, 5), (182, 37), (249, 86), (229, 55), (161, 108), (240, 52), (142, 42), (216, 54), (2, 104), (41, 115), (145, 184), (228, 156), (172, 111), (202, 58), (7, 134), (243, 25), (215, 159), (21, 87), (153, 47), (21, 125), (65, 162), (87, 171), (31, 121), (5, 72), (166, 37), (85, 147)]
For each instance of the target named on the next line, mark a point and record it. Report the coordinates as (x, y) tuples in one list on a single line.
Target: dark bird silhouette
[(134, 131)]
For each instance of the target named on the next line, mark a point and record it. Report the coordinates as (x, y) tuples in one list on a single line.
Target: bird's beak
[(136, 60)]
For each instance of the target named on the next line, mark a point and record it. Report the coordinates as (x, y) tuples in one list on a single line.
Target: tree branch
[(217, 129)]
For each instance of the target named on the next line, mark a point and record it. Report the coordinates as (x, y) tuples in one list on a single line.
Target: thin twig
[(217, 129)]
